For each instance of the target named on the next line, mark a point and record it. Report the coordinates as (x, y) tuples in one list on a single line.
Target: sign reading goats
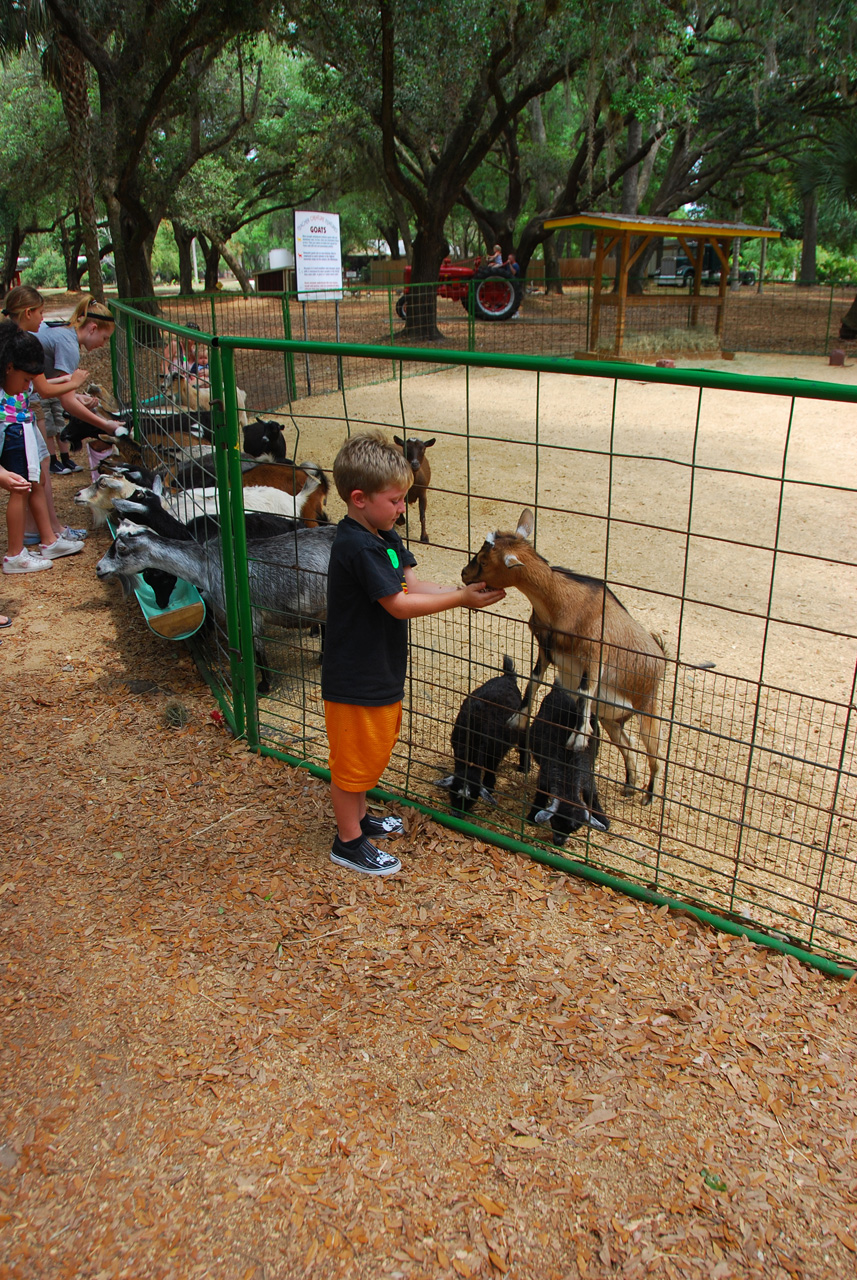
[(318, 257)]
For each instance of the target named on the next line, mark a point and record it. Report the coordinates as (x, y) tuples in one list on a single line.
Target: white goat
[(99, 496), (198, 502)]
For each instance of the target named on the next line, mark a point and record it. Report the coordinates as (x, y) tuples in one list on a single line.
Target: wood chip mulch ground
[(223, 1057)]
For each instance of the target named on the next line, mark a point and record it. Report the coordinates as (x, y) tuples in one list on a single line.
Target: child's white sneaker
[(25, 563), (62, 547)]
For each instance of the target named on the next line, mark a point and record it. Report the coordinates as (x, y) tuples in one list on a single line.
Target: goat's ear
[(526, 523), (427, 444), (511, 560), (158, 486), (399, 441)]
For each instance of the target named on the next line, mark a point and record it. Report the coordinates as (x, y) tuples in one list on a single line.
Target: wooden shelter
[(630, 236)]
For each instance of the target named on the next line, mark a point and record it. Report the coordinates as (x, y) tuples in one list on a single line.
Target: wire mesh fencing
[(720, 511), (781, 318)]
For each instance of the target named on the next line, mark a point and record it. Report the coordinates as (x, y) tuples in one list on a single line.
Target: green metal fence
[(719, 508), (784, 318)]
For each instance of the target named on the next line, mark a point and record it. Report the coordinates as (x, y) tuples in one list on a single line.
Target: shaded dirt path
[(224, 1057)]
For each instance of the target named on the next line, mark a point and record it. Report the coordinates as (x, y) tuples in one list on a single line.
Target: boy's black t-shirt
[(365, 647)]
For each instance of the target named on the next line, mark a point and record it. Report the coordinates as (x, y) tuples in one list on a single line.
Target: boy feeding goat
[(372, 592)]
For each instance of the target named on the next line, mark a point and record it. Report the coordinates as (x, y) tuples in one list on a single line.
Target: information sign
[(318, 256)]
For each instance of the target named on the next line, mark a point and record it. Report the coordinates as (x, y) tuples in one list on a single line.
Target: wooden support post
[(724, 280), (596, 290), (622, 292)]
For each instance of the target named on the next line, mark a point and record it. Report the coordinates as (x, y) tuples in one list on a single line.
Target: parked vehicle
[(678, 270), (497, 293)]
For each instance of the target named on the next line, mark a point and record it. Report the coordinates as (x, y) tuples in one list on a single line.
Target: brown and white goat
[(602, 655), (415, 452), (183, 389), (292, 479)]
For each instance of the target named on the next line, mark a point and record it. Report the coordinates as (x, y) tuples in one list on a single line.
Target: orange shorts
[(361, 741)]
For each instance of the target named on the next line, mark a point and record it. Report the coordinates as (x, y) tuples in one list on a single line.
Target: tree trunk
[(553, 271), (631, 178), (184, 240), (810, 239), (430, 249), (236, 267), (75, 101), (390, 232), (14, 243), (211, 257), (70, 247)]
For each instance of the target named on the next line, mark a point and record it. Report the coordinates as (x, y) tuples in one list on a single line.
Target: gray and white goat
[(287, 575)]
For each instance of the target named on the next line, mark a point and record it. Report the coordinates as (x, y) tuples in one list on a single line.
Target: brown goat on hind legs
[(602, 655)]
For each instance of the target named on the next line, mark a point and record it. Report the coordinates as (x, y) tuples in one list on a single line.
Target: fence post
[(288, 356), (132, 375), (829, 314), (223, 446)]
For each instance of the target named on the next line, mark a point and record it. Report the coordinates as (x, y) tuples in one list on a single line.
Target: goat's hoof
[(424, 537), (629, 790), (647, 797)]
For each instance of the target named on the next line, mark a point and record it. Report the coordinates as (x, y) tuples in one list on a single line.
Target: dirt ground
[(223, 1057)]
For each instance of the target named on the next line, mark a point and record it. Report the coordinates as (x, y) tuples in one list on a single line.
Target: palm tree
[(830, 172), (28, 23)]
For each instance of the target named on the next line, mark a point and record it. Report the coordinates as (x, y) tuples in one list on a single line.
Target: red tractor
[(497, 293)]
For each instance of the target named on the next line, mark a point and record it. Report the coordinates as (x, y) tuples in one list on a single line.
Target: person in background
[(89, 327), (22, 360), (495, 257), (26, 307)]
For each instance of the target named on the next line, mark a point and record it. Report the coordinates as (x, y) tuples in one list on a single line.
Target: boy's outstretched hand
[(477, 596)]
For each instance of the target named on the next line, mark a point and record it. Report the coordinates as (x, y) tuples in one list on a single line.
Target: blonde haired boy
[(372, 591)]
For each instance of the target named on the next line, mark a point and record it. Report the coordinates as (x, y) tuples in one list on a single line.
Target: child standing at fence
[(21, 360), (372, 592)]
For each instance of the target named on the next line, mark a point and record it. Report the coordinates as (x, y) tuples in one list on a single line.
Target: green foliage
[(165, 255), (833, 267), (46, 271)]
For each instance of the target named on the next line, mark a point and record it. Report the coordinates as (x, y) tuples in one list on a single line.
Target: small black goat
[(566, 797), (481, 737), (415, 452), (264, 441)]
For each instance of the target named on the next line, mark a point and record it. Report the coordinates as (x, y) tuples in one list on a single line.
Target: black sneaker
[(70, 466), (365, 857), (380, 828), (58, 469)]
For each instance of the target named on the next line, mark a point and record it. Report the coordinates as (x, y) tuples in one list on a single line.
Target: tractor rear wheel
[(495, 297)]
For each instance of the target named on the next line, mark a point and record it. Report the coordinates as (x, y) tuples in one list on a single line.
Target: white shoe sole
[(34, 566), (48, 553), (366, 871)]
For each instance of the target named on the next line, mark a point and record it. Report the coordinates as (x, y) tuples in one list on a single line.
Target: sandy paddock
[(223, 1057), (668, 494)]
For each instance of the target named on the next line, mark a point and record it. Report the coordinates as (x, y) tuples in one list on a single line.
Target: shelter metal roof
[(643, 224)]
